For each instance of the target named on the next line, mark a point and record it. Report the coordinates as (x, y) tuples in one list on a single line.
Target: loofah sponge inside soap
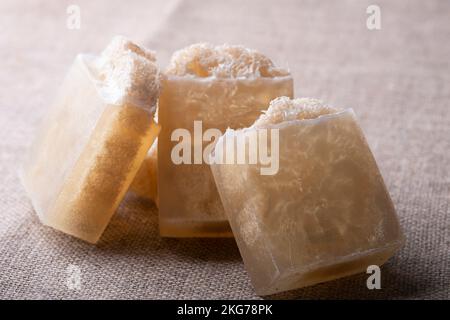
[(224, 61)]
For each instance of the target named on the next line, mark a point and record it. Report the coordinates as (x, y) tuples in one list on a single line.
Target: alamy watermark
[(374, 280), (73, 280), (239, 147), (73, 21), (373, 21)]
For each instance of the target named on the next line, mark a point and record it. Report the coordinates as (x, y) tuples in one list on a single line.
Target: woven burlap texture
[(397, 79)]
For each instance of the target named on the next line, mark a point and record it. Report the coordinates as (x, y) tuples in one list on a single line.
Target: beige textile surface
[(397, 79)]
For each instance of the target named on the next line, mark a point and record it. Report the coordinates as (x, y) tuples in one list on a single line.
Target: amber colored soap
[(145, 183), (93, 139)]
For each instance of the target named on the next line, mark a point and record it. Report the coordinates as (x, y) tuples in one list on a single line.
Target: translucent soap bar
[(93, 140), (324, 211), (145, 182), (217, 88)]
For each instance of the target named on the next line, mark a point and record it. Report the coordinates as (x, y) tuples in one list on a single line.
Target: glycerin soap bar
[(325, 213), (145, 183), (94, 139), (206, 87)]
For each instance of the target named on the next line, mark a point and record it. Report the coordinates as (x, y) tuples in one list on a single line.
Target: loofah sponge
[(224, 61), (285, 109), (128, 74)]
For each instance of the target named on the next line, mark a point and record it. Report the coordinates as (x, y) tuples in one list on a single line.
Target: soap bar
[(325, 213), (93, 139), (145, 182), (206, 87)]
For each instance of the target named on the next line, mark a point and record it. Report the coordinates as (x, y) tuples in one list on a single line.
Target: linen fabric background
[(397, 79)]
